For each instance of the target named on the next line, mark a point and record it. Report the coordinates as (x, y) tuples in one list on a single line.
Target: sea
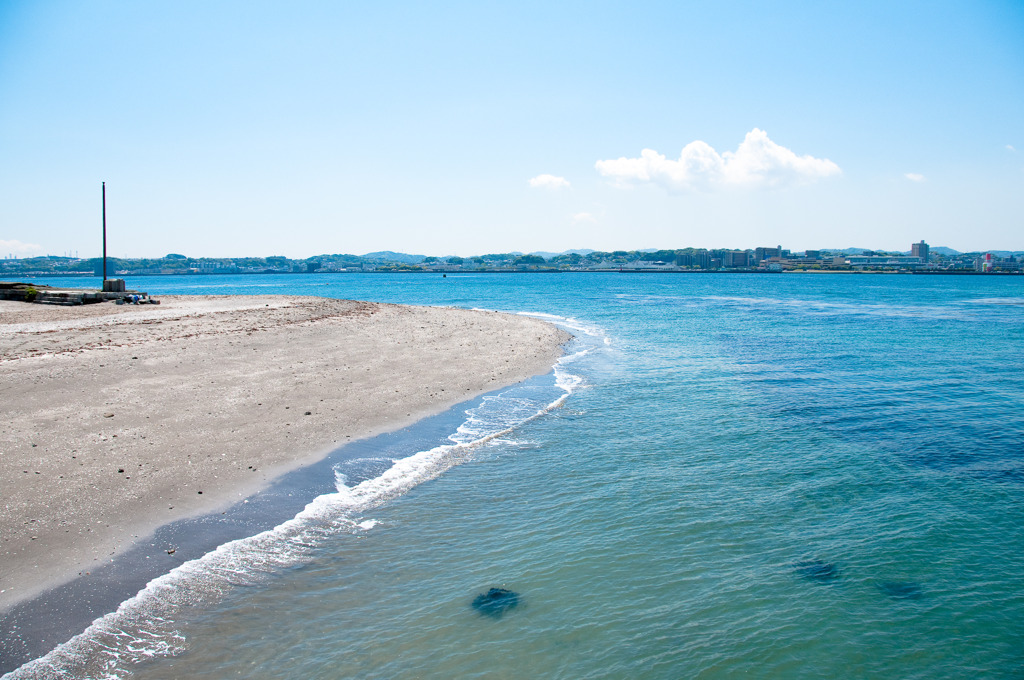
[(725, 475)]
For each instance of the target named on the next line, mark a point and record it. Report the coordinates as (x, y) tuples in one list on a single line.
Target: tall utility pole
[(104, 231)]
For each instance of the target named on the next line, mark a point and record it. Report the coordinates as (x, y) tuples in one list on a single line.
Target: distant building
[(762, 254), (876, 261), (812, 254), (920, 250), (648, 265), (214, 267), (736, 258), (694, 259), (698, 259), (990, 263)]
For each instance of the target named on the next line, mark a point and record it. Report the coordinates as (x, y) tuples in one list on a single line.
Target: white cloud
[(914, 177), (1010, 147), (583, 217), (549, 182), (757, 162), (19, 248)]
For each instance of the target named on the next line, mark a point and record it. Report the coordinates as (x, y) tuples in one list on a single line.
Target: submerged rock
[(817, 571), (901, 590), (495, 602)]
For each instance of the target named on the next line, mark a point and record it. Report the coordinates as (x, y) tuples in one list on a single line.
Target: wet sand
[(116, 420)]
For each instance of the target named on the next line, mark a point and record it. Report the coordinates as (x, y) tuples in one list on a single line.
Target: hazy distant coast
[(119, 419), (921, 258)]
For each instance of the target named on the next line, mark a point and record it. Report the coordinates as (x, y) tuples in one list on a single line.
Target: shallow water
[(782, 476)]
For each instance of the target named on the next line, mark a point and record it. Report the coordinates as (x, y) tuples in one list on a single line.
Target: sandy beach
[(117, 420)]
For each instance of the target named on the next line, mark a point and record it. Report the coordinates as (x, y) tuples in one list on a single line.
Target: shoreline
[(120, 420), (33, 628), (951, 272)]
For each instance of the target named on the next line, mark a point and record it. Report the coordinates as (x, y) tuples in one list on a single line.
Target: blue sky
[(258, 128)]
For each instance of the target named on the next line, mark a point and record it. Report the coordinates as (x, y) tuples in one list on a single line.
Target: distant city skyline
[(237, 129), (920, 259), (914, 250)]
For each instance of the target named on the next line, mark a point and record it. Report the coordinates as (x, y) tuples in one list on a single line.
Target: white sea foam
[(1013, 301), (146, 626), (591, 338)]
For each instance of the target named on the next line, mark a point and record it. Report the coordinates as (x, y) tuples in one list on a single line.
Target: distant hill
[(575, 251), (847, 251), (392, 256), (943, 250)]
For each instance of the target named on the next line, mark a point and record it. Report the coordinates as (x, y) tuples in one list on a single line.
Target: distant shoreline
[(955, 272)]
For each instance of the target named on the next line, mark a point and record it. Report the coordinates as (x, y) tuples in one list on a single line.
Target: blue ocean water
[(782, 476)]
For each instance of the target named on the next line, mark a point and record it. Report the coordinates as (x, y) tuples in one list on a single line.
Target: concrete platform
[(48, 295)]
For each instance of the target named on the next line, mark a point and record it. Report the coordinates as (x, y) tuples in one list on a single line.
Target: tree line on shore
[(683, 258)]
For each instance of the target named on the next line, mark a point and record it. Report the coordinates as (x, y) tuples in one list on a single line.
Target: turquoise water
[(788, 476)]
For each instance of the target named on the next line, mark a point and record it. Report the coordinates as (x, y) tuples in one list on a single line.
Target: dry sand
[(115, 420)]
